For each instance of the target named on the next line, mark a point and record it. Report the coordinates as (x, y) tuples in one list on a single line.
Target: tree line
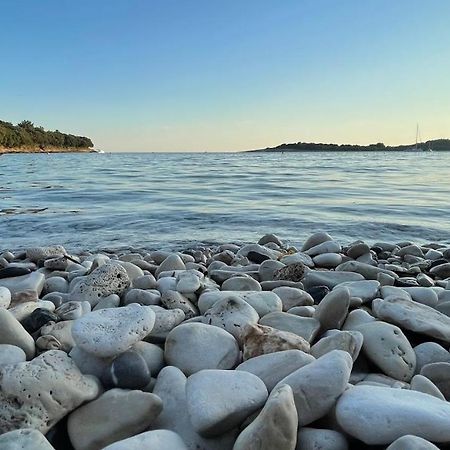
[(26, 134)]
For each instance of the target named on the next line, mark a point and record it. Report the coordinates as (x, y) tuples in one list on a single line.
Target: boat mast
[(417, 134)]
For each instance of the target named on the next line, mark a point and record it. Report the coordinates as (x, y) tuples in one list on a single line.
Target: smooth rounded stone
[(56, 284), (356, 318), (31, 282), (133, 271), (270, 238), (259, 340), (276, 425), (37, 319), (231, 314), (293, 272), (166, 284), (387, 346), (316, 239), (144, 282), (128, 371), (14, 271), (428, 353), (368, 271), (411, 442), (324, 248), (89, 364), (268, 268), (156, 439), (115, 415), (439, 374), (175, 300), (422, 295), (348, 341), (318, 292), (5, 297), (385, 279), (61, 331), (241, 284), (380, 415), (70, 311), (55, 297), (319, 384), (358, 249), (220, 276), (24, 439), (52, 251), (259, 249), (330, 279), (22, 310), (153, 356), (393, 291), (410, 250), (11, 354), (423, 384), (12, 332), (110, 301), (273, 367), (188, 282), (384, 380), (196, 346), (414, 316), (305, 327), (333, 309), (320, 439), (270, 285), (37, 394), (444, 308), (442, 270), (263, 302), (366, 290), (220, 400), (302, 311), (109, 332), (172, 262), (327, 260), (165, 320), (171, 388), (105, 280), (424, 280), (368, 258), (143, 297), (291, 297), (298, 257)]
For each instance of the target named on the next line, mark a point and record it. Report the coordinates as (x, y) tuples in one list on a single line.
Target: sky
[(210, 75)]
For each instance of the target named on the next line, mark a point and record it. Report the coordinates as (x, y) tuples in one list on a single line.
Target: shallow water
[(159, 200)]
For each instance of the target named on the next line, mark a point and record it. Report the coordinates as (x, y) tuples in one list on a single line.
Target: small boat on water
[(418, 147), (96, 150)]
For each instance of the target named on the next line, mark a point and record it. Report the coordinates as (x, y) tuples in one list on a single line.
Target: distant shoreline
[(4, 151)]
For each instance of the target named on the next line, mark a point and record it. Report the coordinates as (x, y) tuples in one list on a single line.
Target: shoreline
[(358, 331), (5, 151)]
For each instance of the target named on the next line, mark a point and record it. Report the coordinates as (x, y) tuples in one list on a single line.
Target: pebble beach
[(261, 345)]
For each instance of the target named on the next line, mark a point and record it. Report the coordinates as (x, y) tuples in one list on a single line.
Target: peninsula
[(25, 137), (434, 145)]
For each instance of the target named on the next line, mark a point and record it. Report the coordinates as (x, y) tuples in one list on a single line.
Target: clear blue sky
[(173, 75)]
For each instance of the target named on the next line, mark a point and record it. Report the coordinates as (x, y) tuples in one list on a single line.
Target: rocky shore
[(260, 346)]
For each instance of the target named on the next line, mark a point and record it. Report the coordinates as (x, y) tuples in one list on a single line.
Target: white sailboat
[(417, 148)]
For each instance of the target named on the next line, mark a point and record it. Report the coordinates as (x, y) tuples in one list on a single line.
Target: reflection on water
[(155, 200)]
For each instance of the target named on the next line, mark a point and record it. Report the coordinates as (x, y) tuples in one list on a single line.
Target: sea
[(135, 201)]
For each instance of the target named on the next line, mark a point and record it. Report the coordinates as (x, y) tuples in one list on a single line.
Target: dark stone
[(256, 257), (53, 297), (128, 371), (318, 293), (399, 282), (58, 435), (8, 272), (37, 319), (438, 262), (377, 249)]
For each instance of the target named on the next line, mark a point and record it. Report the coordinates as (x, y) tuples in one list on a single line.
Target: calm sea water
[(155, 200)]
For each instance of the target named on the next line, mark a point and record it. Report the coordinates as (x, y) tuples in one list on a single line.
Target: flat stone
[(171, 388), (220, 400), (232, 314), (157, 439), (410, 442), (333, 309), (36, 253), (13, 333), (428, 353), (324, 247), (109, 332), (275, 427), (368, 271), (273, 367), (423, 384), (327, 260), (423, 295), (366, 290), (37, 394), (305, 327), (241, 284), (24, 439), (380, 415), (330, 279), (32, 282), (321, 439), (414, 316), (117, 414), (291, 297), (442, 270), (196, 346), (348, 341), (387, 346), (14, 271), (259, 340), (298, 257)]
